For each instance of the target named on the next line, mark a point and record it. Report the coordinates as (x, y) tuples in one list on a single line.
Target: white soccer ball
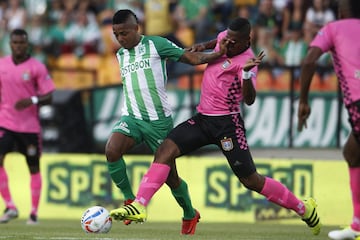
[(96, 219)]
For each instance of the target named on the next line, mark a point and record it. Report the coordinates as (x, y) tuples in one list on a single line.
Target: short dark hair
[(241, 25), (122, 15), (18, 32)]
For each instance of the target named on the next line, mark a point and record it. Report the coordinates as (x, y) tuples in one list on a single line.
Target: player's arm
[(248, 89), (34, 100), (307, 72), (196, 58), (199, 47)]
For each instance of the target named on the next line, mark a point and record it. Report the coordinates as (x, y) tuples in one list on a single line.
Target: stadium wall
[(74, 182)]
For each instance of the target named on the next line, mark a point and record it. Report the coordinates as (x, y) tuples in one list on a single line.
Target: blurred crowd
[(80, 28)]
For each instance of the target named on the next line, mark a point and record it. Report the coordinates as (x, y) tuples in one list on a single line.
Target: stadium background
[(86, 104)]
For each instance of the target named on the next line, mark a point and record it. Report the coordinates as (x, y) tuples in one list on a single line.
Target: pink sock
[(4, 189), (35, 185), (355, 193), (277, 193), (151, 182)]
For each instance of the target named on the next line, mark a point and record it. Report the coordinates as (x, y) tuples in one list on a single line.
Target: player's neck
[(20, 59)]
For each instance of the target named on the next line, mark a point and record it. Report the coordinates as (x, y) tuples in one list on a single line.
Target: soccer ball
[(96, 219)]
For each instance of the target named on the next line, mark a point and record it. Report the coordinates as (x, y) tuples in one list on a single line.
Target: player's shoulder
[(155, 39)]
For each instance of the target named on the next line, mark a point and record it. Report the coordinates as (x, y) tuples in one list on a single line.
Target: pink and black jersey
[(24, 80), (341, 39), (222, 83)]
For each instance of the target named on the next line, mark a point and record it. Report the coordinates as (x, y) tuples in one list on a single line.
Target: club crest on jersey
[(26, 76), (226, 63), (142, 49), (227, 144), (357, 74)]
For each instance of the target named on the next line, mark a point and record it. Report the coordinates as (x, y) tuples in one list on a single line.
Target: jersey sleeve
[(168, 49), (323, 39), (44, 82)]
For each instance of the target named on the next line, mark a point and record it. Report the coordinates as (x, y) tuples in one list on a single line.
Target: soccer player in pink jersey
[(341, 38), (226, 82), (24, 85)]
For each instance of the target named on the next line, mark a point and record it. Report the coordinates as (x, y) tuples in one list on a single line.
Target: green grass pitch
[(71, 229)]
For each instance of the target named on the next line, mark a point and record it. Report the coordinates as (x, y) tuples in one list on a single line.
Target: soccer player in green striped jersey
[(146, 113)]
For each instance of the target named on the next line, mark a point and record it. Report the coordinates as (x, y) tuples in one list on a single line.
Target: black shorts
[(227, 132), (27, 144), (354, 119)]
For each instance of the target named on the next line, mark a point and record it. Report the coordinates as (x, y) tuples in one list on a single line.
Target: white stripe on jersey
[(131, 94)]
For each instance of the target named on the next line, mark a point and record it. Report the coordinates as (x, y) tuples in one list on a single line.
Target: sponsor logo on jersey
[(135, 66), (227, 144)]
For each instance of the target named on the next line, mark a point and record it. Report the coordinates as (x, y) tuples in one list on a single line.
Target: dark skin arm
[(196, 58), (248, 90), (307, 72), (199, 47), (26, 102)]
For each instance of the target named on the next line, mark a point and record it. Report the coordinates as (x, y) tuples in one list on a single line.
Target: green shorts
[(152, 133)]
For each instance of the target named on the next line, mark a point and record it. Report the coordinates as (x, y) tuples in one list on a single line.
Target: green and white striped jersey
[(144, 77)]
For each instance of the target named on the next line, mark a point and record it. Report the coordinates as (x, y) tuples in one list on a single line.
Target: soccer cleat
[(189, 225), (127, 202), (32, 220), (9, 214), (311, 216), (134, 212), (346, 233)]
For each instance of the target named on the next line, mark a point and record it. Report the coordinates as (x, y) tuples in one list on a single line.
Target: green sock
[(119, 176), (182, 196)]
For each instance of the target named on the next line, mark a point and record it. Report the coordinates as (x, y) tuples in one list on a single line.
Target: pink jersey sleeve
[(341, 39)]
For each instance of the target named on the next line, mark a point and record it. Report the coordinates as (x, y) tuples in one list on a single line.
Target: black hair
[(241, 25), (122, 15), (355, 8), (18, 32)]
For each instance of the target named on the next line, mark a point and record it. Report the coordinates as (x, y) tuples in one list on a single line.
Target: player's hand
[(303, 114), (198, 47), (23, 103), (224, 45), (252, 62)]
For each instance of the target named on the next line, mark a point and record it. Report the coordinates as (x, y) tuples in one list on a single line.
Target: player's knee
[(34, 169), (167, 152), (112, 154), (254, 182)]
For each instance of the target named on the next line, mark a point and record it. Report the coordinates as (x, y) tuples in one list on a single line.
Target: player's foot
[(311, 216), (134, 211), (127, 202), (346, 233), (9, 214), (33, 220), (189, 225)]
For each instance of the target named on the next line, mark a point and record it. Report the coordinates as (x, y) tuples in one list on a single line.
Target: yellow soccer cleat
[(311, 216), (134, 212)]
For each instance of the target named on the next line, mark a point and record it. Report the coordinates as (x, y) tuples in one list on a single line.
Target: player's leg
[(6, 145), (123, 137), (351, 154), (233, 143), (29, 145), (188, 137), (154, 133)]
